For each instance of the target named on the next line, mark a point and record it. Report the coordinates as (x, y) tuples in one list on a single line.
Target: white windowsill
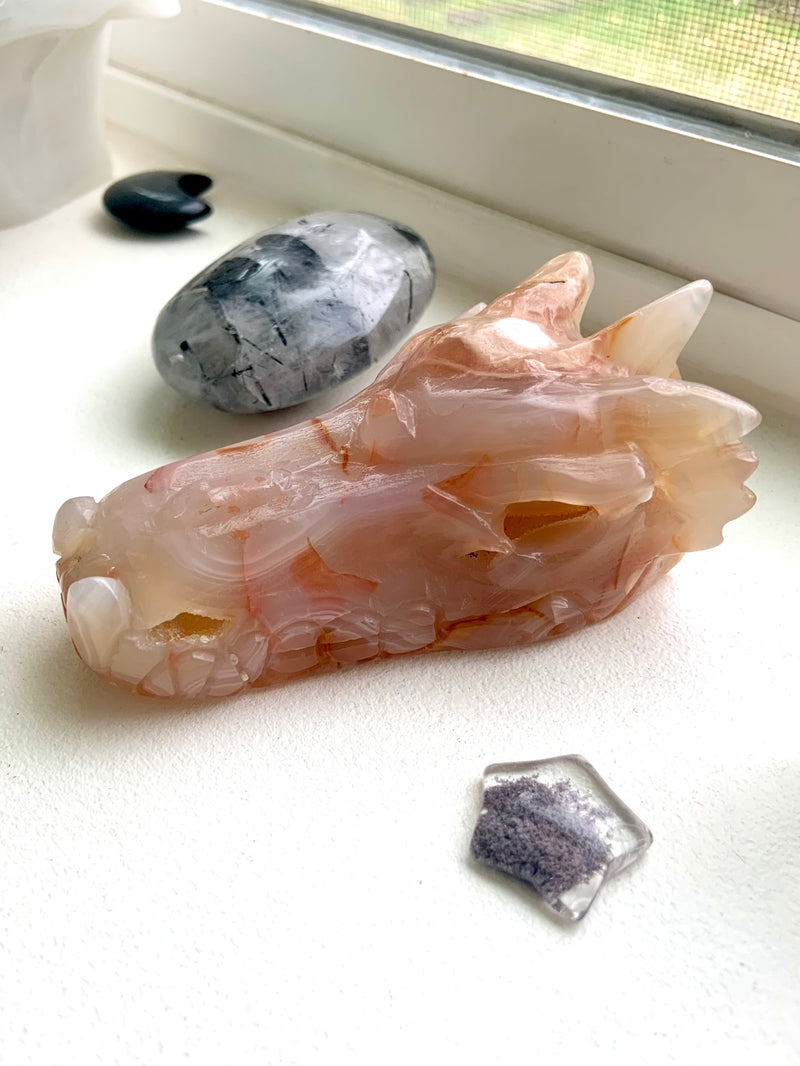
[(746, 349), (283, 877), (684, 200)]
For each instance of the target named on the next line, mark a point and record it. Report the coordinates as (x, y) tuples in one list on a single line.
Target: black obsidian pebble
[(159, 201)]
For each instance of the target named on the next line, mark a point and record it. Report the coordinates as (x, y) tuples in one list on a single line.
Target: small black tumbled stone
[(159, 201)]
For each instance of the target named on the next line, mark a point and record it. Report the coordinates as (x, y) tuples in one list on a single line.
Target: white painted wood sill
[(283, 877)]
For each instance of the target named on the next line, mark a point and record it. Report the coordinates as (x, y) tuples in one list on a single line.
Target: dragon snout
[(98, 611), (73, 532)]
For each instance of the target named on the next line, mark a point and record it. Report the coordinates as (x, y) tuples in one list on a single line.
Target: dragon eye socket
[(187, 625), (532, 515)]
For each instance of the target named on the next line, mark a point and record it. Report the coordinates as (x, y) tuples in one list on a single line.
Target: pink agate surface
[(503, 481)]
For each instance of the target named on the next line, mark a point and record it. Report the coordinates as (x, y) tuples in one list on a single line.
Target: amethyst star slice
[(557, 826)]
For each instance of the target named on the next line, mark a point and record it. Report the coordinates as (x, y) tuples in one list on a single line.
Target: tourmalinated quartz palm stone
[(557, 826), (293, 311), (503, 480)]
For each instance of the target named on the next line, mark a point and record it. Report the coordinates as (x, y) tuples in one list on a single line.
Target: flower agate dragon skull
[(503, 481)]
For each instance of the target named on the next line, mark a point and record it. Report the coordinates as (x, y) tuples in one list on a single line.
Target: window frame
[(670, 195), (198, 84)]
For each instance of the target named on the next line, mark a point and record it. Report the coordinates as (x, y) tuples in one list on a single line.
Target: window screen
[(740, 52)]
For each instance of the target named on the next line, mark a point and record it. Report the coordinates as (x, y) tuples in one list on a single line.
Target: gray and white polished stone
[(294, 310)]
